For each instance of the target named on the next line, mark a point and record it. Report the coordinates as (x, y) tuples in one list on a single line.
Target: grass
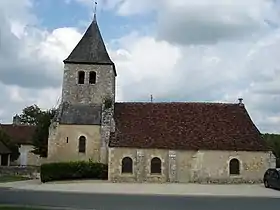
[(12, 179)]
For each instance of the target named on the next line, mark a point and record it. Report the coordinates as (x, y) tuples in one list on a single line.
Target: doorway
[(4, 160)]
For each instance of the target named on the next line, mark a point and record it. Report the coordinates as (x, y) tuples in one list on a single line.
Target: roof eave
[(65, 123), (5, 153), (91, 63)]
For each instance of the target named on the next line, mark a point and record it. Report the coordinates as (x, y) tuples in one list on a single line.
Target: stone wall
[(63, 144), (74, 93), (213, 166), (107, 126), (189, 166), (141, 165), (30, 171)]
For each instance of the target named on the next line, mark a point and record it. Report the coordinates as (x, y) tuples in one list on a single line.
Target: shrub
[(73, 170), (108, 102)]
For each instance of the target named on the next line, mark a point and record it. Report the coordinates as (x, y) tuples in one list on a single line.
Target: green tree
[(5, 138), (273, 140), (30, 115), (33, 115)]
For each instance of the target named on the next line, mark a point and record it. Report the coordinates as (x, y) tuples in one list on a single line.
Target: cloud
[(137, 67), (14, 98), (15, 53), (202, 21), (31, 59), (227, 50), (180, 66), (222, 73), (104, 4), (205, 22)]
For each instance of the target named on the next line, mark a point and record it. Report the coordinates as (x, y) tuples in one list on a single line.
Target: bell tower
[(87, 102), (89, 73)]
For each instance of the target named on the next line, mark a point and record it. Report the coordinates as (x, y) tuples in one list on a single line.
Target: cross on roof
[(95, 7)]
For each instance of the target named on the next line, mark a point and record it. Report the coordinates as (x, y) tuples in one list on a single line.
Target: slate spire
[(91, 48)]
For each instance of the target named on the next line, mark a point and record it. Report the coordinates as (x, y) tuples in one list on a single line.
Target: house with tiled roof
[(150, 142), (5, 154), (22, 136)]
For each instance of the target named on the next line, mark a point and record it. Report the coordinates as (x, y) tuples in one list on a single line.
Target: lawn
[(12, 179)]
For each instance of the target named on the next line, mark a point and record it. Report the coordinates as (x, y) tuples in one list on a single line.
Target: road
[(133, 202)]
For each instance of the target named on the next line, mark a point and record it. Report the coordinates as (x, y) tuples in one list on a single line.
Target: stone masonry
[(87, 94), (189, 166), (75, 93), (107, 126)]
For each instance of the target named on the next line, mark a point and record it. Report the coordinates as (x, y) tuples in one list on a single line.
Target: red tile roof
[(185, 126), (21, 134)]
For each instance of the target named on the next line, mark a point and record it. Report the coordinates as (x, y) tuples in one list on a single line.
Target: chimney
[(240, 102), (16, 120)]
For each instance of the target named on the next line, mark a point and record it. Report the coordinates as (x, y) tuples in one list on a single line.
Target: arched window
[(92, 77), (127, 165), (82, 144), (234, 167), (155, 166), (81, 77)]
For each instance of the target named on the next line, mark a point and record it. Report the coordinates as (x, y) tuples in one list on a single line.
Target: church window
[(92, 77), (82, 144), (81, 77), (127, 165), (155, 166), (234, 167)]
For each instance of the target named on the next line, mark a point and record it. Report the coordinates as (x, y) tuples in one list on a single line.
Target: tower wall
[(86, 93), (82, 110)]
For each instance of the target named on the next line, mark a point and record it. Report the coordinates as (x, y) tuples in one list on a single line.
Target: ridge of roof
[(181, 102), (90, 49)]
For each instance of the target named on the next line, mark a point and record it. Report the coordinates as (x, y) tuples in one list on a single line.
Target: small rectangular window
[(67, 140), (81, 77), (92, 77), (82, 144)]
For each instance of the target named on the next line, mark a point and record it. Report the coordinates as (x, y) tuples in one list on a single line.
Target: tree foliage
[(5, 138), (73, 170), (33, 115), (108, 102), (273, 140)]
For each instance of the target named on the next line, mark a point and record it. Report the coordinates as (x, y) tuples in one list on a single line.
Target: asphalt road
[(133, 202)]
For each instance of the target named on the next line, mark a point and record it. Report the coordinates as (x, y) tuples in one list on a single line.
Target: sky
[(179, 50)]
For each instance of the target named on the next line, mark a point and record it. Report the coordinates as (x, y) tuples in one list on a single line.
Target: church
[(177, 142)]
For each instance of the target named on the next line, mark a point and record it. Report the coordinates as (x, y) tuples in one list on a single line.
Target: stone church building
[(150, 142)]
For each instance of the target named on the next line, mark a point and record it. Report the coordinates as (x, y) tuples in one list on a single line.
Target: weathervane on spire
[(95, 7)]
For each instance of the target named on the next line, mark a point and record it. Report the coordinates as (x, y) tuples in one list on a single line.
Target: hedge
[(73, 170)]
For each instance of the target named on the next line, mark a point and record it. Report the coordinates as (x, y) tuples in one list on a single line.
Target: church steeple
[(91, 48), (89, 73)]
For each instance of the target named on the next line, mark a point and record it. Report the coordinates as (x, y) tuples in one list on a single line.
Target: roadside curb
[(41, 207), (194, 194)]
